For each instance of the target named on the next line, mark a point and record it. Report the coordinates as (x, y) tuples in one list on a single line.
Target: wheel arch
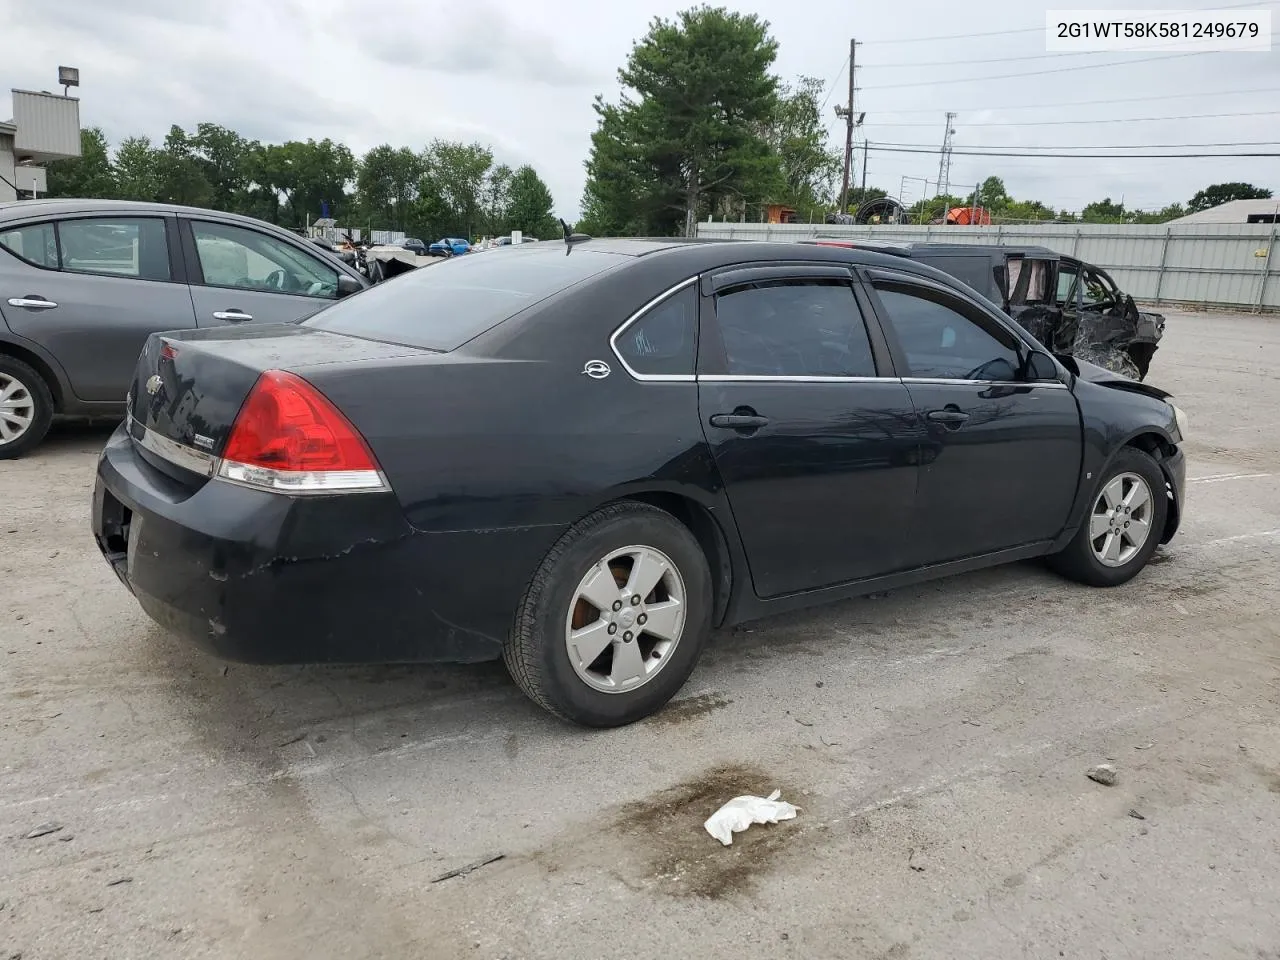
[(40, 366), (1159, 447), (707, 530)]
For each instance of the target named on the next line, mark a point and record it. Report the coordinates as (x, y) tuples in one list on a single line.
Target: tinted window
[(942, 344), (117, 246), (443, 306), (974, 271), (662, 342), (240, 257), (36, 243), (794, 328)]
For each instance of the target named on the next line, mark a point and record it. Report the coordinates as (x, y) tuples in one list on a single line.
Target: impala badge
[(154, 383), (596, 369)]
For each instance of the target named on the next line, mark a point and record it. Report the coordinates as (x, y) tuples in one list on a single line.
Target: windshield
[(441, 307)]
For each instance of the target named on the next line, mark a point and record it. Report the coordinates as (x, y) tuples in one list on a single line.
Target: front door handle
[(32, 301), (739, 421), (232, 316), (952, 417)]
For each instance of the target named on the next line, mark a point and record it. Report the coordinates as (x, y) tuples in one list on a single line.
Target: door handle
[(32, 301), (232, 316), (739, 421), (950, 417)]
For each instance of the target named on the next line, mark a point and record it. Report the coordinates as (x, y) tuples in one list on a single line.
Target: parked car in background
[(449, 247), (83, 283), (1072, 307), (626, 444), (416, 245)]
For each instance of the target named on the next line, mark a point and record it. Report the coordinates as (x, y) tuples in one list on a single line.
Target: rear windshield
[(441, 307)]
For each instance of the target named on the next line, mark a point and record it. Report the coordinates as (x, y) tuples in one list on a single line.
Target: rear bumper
[(258, 577)]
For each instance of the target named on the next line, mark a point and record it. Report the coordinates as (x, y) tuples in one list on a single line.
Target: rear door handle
[(32, 301), (232, 316), (739, 421), (951, 417)]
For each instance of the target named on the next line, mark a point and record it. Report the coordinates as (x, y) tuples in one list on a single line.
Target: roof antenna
[(571, 238)]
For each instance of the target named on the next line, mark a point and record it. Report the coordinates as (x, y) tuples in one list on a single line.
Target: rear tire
[(1128, 504), (26, 408), (592, 642)]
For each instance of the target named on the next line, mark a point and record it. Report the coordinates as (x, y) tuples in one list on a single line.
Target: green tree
[(495, 201), (796, 134), (89, 175), (456, 174), (1221, 193), (1103, 211), (298, 178), (224, 158), (137, 168), (530, 206), (179, 174), (387, 186), (697, 93)]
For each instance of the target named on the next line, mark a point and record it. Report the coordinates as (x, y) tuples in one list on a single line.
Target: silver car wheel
[(1121, 520), (17, 409), (625, 619)]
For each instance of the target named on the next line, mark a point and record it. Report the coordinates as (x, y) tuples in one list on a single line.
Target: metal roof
[(1233, 211)]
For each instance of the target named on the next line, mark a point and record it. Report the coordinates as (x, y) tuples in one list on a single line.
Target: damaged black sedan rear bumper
[(257, 577)]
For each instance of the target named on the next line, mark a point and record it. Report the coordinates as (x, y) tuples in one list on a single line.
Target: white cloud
[(521, 77)]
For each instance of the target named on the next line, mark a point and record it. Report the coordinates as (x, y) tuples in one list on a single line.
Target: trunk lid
[(189, 385)]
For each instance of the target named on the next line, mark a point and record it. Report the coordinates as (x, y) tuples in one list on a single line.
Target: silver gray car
[(84, 282)]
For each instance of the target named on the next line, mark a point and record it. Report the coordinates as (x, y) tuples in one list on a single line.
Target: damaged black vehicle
[(582, 457), (1073, 308)]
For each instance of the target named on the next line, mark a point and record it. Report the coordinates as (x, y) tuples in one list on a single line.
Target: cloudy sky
[(520, 75)]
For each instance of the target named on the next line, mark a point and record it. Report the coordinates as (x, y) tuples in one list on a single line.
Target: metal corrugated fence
[(1204, 264)]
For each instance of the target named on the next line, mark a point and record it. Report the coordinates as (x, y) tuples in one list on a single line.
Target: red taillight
[(168, 351), (289, 437)]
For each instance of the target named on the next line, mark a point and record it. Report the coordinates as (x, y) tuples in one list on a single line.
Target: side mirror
[(1039, 366), (348, 285)]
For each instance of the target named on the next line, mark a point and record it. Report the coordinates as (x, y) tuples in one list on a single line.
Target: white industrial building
[(1236, 211), (44, 127)]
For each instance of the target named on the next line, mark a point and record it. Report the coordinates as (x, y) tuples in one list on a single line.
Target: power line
[(1089, 103), (1041, 73), (1101, 146), (831, 84), (1073, 156), (1057, 123)]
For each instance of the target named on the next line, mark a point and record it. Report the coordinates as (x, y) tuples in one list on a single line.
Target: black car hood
[(1103, 377)]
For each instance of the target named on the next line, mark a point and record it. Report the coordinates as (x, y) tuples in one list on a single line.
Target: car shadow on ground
[(243, 708), (70, 436)]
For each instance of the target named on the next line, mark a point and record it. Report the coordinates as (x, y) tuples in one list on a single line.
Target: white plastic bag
[(741, 812)]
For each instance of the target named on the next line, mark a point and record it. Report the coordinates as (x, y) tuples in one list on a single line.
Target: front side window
[(941, 343), (116, 246), (240, 257), (794, 328), (663, 342), (36, 243), (1066, 284)]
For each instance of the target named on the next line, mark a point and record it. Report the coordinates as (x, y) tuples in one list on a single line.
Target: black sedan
[(584, 457)]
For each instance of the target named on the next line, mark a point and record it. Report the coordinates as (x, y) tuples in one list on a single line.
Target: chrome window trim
[(796, 378), (639, 314), (1052, 384), (179, 454)]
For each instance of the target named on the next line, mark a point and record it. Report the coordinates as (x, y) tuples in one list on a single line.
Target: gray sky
[(520, 75)]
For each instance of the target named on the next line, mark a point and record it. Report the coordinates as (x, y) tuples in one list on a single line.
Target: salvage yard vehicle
[(84, 282), (449, 247), (584, 456), (1072, 307)]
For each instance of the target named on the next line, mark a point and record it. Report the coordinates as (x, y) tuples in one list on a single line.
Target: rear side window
[(441, 307), (663, 342), (117, 247), (794, 328), (35, 243)]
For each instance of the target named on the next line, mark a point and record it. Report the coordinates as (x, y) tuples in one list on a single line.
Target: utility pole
[(944, 163), (864, 168), (850, 121)]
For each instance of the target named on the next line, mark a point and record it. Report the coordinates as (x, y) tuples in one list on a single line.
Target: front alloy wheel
[(1121, 520)]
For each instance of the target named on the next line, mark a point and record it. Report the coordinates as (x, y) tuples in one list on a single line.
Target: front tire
[(614, 619), (1123, 526), (26, 408)]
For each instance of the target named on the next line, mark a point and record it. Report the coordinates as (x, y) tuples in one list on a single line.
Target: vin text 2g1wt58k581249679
[(584, 456)]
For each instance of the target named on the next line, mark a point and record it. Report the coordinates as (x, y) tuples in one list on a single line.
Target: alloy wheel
[(1120, 523), (625, 619)]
